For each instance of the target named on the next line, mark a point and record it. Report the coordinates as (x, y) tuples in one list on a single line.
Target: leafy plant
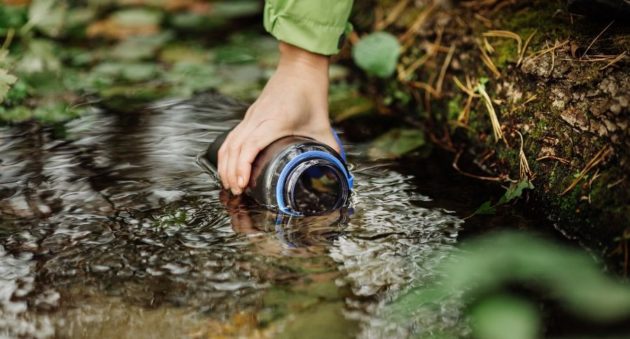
[(513, 192), (479, 274), (377, 54)]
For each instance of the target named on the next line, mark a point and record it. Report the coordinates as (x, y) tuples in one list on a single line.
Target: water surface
[(109, 229)]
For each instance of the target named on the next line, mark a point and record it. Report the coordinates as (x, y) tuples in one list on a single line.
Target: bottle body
[(295, 175)]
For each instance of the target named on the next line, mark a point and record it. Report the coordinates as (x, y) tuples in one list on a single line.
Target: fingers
[(248, 154), (234, 150), (223, 158), (239, 151)]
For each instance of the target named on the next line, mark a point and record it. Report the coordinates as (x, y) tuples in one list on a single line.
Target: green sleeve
[(317, 26)]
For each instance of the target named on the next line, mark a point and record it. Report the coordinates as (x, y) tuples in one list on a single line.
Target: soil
[(558, 79)]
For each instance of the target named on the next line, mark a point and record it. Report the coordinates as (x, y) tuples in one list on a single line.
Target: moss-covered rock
[(558, 79)]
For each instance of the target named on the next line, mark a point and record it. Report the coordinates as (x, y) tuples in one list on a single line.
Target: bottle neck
[(315, 186)]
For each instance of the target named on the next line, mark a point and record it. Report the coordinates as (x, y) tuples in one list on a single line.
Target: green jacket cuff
[(318, 26)]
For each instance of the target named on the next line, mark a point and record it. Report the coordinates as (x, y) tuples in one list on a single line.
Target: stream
[(108, 228)]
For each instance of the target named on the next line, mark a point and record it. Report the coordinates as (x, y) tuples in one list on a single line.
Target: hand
[(294, 102)]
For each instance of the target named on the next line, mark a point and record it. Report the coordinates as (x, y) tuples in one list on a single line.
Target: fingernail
[(236, 191), (241, 182)]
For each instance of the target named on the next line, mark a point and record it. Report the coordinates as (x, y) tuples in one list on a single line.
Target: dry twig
[(524, 171), (500, 178), (614, 61), (393, 15), (447, 62), (415, 26), (424, 86), (522, 54), (470, 91), (597, 37), (596, 160), (496, 126), (508, 35), (553, 157), (431, 51), (488, 61)]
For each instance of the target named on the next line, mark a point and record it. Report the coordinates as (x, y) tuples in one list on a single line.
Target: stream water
[(109, 229)]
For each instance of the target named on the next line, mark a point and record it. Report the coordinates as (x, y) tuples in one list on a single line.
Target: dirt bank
[(525, 90)]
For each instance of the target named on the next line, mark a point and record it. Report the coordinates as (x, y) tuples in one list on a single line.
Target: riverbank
[(518, 92)]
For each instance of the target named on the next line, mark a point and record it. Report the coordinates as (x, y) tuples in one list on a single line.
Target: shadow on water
[(113, 231)]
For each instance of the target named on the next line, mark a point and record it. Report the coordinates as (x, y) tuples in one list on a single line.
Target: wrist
[(297, 58)]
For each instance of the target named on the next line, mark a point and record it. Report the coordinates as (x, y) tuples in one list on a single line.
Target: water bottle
[(295, 175)]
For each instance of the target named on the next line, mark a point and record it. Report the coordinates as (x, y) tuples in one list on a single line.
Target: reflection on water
[(110, 229)]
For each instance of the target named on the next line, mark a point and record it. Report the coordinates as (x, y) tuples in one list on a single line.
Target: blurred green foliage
[(377, 54), (57, 55), (481, 273), (396, 143)]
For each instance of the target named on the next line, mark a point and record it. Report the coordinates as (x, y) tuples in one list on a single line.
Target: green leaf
[(188, 78), (395, 143), (139, 48), (478, 275), (569, 275), (132, 71), (495, 317), (377, 54), (47, 16), (41, 56), (12, 17), (137, 17), (55, 112), (486, 209), (235, 54), (515, 191), (181, 53), (15, 114), (6, 80)]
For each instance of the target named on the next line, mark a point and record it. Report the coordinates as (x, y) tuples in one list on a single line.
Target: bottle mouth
[(315, 187)]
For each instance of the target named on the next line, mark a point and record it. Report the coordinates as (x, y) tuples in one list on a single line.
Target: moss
[(505, 52), (539, 120), (541, 16)]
